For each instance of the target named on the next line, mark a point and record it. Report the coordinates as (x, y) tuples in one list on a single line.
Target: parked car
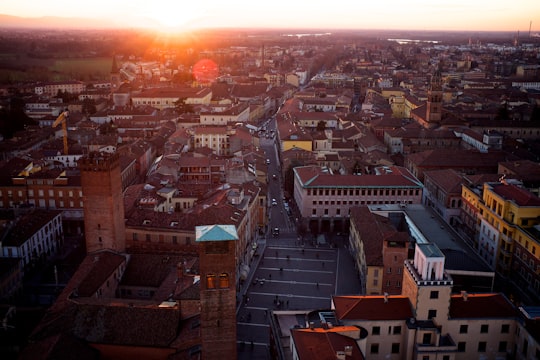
[(274, 202), (275, 231)]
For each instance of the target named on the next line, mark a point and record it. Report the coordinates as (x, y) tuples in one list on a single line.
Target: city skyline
[(168, 15)]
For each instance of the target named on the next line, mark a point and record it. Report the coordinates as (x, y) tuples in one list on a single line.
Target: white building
[(35, 237)]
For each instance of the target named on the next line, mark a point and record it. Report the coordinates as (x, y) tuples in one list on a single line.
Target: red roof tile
[(321, 343), (372, 308), (520, 196), (481, 306)]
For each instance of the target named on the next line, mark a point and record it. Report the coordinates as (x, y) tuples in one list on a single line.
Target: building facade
[(324, 200)]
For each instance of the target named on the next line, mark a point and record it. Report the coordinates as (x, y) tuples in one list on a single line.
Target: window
[(482, 346), (425, 357), (397, 330), (374, 348), (210, 281), (395, 348), (432, 313), (461, 346), (463, 329), (502, 346), (434, 295), (446, 357), (505, 328), (376, 330), (223, 281), (484, 328), (426, 339)]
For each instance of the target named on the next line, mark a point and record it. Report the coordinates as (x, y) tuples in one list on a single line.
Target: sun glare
[(176, 14)]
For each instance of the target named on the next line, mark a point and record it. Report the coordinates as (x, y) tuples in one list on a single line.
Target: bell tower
[(115, 75), (434, 101), (103, 202), (217, 264)]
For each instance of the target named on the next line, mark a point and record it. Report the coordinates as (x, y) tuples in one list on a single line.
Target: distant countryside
[(21, 67)]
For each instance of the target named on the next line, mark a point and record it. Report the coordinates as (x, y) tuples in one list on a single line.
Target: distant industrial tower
[(218, 290), (434, 100), (103, 202)]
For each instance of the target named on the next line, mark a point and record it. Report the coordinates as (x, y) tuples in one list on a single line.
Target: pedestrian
[(323, 264), (287, 303), (317, 285), (269, 276)]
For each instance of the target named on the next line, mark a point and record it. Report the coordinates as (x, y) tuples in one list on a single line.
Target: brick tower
[(434, 101), (217, 263), (103, 202), (115, 76)]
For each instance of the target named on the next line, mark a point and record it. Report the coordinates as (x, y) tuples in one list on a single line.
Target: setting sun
[(174, 14)]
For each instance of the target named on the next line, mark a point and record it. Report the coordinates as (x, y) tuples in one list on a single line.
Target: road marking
[(294, 296), (252, 324), (295, 270)]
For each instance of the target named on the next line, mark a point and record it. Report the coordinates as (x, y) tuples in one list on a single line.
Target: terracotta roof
[(520, 196), (28, 225), (115, 324), (149, 270), (372, 307), (314, 177), (447, 179), (439, 158), (95, 270), (321, 343), (479, 306)]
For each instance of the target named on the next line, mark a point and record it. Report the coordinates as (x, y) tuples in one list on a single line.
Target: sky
[(471, 15)]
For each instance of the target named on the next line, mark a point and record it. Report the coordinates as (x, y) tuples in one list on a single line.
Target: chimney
[(464, 295), (385, 297), (179, 270)]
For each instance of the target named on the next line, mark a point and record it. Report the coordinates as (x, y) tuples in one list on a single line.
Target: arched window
[(223, 280), (210, 281)]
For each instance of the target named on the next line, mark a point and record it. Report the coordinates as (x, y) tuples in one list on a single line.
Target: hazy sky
[(477, 15)]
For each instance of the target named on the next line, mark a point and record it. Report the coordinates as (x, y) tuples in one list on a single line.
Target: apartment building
[(162, 98), (427, 321), (52, 88), (379, 250), (35, 237)]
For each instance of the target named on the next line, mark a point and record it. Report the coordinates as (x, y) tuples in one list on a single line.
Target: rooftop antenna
[(530, 26)]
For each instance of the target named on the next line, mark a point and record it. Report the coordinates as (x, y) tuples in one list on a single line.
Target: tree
[(14, 119), (502, 113), (182, 107), (89, 106)]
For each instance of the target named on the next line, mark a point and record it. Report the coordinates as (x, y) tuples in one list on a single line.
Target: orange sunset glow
[(169, 15)]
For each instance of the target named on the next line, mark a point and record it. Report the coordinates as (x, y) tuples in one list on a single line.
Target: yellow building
[(506, 231)]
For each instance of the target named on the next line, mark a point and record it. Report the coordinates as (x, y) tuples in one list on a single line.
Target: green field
[(17, 67)]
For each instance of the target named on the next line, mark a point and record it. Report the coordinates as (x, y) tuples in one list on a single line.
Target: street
[(289, 274)]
